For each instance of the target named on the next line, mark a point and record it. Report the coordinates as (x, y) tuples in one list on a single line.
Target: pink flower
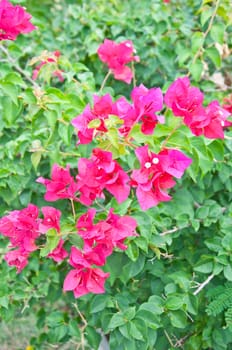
[(17, 258), (121, 228), (22, 228), (14, 20), (183, 99), (102, 108), (59, 253), (62, 185), (116, 56), (51, 219), (85, 280), (146, 103), (156, 174), (99, 173)]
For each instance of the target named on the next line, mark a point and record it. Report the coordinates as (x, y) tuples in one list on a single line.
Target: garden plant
[(115, 177)]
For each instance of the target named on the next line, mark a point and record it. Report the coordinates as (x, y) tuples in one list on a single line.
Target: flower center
[(155, 160)]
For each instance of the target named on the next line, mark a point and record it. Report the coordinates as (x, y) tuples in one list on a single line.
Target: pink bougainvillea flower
[(121, 228), (62, 184), (99, 173), (183, 99), (102, 108), (22, 227), (85, 280), (210, 121), (146, 103), (116, 56), (156, 173), (17, 258), (14, 20), (59, 253), (51, 219), (174, 162)]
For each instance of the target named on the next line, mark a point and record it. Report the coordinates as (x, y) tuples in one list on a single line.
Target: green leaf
[(74, 330), (76, 240), (217, 32), (178, 319), (10, 90), (204, 265), (135, 332), (197, 41), (35, 159), (206, 14), (150, 319), (98, 304), (51, 243), (196, 69), (228, 272), (174, 302), (95, 123), (214, 55), (116, 321)]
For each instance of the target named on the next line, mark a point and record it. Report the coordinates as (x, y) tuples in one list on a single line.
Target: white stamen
[(147, 165), (128, 44), (220, 112), (155, 160), (222, 123)]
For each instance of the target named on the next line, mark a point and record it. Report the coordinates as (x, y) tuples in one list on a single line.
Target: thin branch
[(202, 285), (171, 133), (175, 229), (104, 81), (197, 54), (17, 67), (168, 338), (73, 209)]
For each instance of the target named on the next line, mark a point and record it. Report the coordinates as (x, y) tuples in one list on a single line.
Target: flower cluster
[(156, 174), (146, 102), (99, 242), (186, 101), (101, 172), (116, 56), (23, 228), (14, 20), (51, 59)]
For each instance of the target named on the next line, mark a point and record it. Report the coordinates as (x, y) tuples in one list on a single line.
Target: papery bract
[(116, 56), (62, 184), (51, 219), (85, 280), (146, 102), (17, 258), (182, 98), (59, 253), (14, 20)]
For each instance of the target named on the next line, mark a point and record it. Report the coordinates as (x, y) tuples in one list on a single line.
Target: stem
[(104, 81), (202, 285), (175, 229), (197, 54), (133, 71), (17, 67), (73, 209), (171, 133), (168, 338)]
